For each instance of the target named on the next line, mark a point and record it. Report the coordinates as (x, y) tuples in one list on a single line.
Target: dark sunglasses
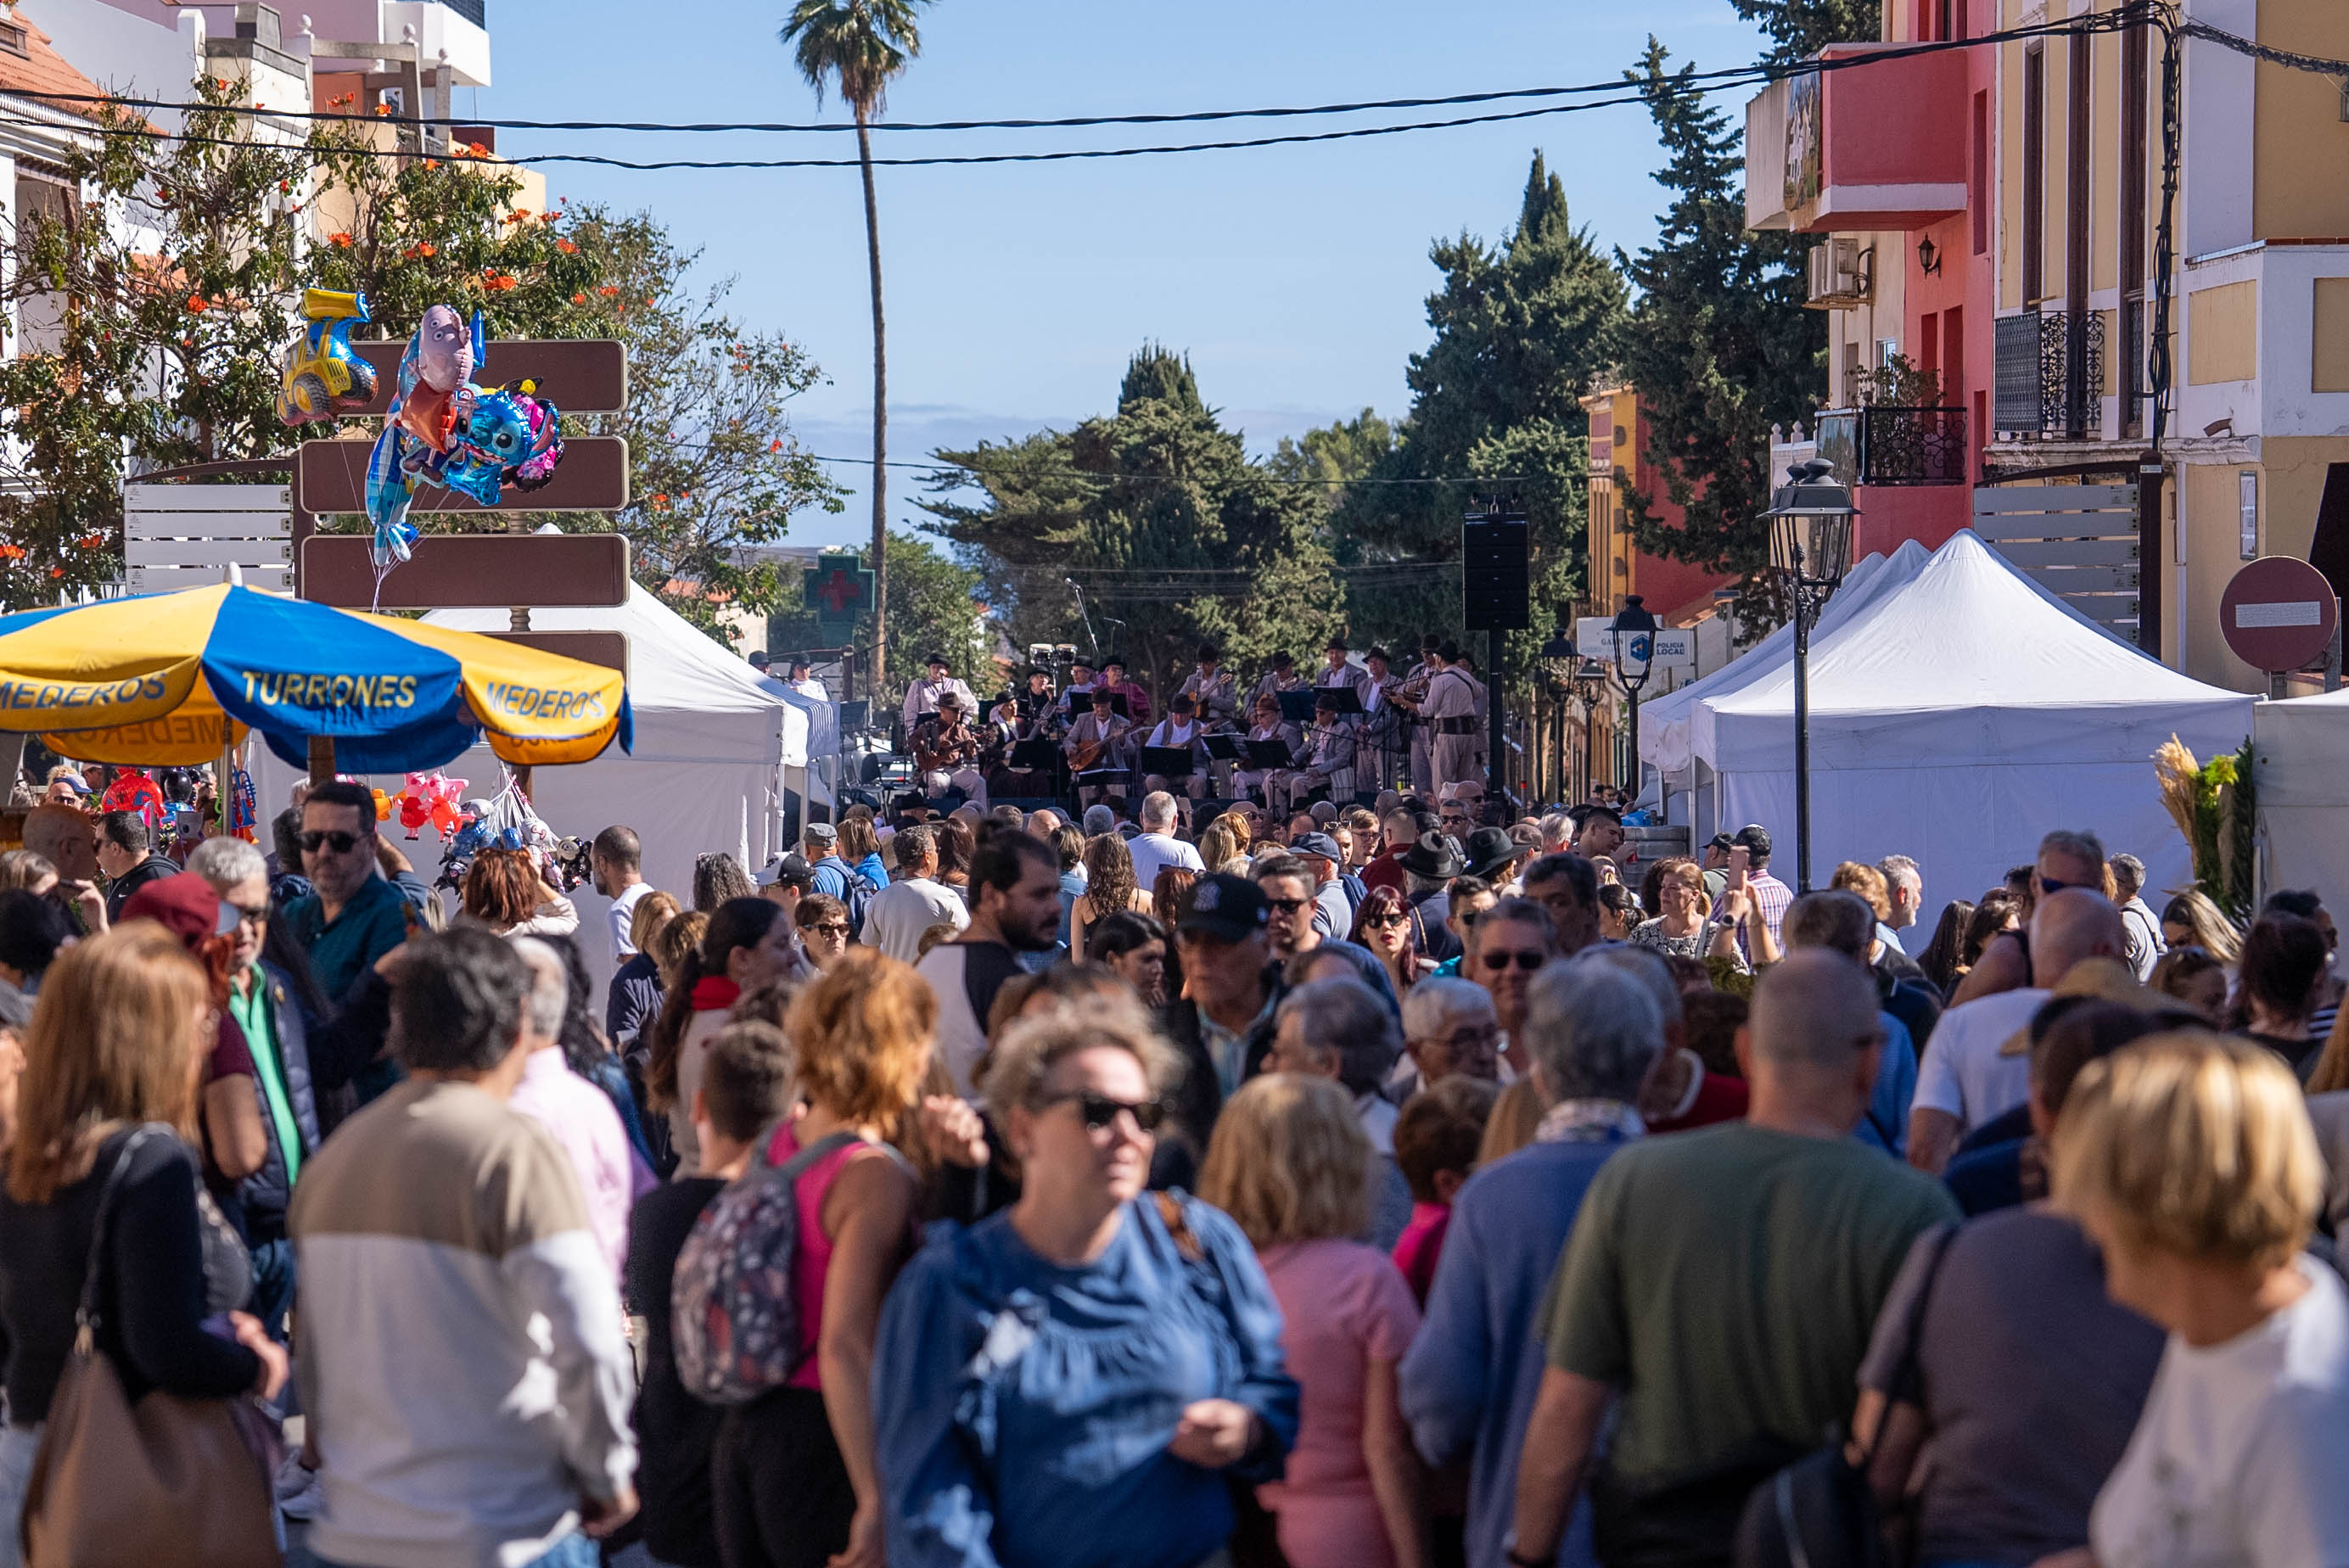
[(831, 927), (1097, 1111), (1288, 905), (342, 843), (1377, 921), (1526, 958)]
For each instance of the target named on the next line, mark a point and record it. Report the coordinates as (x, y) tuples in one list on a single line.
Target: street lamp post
[(1810, 547), (1558, 659), (1634, 634)]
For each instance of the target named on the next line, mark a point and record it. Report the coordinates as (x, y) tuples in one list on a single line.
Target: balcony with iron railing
[(1889, 444), (2047, 375)]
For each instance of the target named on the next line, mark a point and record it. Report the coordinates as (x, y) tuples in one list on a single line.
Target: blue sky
[(1295, 277)]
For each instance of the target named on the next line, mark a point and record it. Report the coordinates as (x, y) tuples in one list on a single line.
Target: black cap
[(788, 871), (1378, 652), (1319, 846), (1448, 652), (1490, 851), (1282, 662), (935, 659), (1227, 908), (1757, 840), (759, 659), (1335, 645), (1720, 841)]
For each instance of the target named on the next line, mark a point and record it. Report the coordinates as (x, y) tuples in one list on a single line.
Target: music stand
[(1035, 755), (1348, 700), (1297, 706), (1227, 748), (1169, 761), (1100, 778), (1267, 754)]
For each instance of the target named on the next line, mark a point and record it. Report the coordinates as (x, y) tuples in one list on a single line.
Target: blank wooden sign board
[(580, 377), (471, 572), (331, 476)]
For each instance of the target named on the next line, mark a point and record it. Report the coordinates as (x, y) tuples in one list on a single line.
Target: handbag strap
[(85, 1310), (1907, 1379)]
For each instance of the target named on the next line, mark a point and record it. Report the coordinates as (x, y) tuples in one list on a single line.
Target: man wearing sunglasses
[(351, 916), (1505, 947), (1223, 1022), (2066, 860)]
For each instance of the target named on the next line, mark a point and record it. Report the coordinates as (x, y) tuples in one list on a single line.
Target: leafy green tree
[(157, 311), (1158, 513), (1719, 345), (1798, 29), (861, 46), (1521, 328)]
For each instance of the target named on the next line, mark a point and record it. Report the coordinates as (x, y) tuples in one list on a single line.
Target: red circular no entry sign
[(2278, 613)]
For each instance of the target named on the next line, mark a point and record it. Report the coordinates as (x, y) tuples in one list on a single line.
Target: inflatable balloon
[(445, 430), (322, 375)]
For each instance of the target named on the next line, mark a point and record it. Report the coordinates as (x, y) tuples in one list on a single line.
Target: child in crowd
[(1436, 1141)]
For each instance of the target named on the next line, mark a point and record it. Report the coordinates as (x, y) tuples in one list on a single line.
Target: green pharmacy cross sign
[(839, 589)]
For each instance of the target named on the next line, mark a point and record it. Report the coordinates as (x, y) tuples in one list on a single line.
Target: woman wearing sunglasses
[(1383, 925), (1072, 1380)]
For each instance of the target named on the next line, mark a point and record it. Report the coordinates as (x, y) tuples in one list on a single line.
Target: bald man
[(66, 837), (1977, 1065), (1820, 1223)]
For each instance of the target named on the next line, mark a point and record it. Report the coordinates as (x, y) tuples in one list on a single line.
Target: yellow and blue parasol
[(170, 679)]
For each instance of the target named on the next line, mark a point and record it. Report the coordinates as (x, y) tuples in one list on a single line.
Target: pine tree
[(1719, 346), (1521, 328)]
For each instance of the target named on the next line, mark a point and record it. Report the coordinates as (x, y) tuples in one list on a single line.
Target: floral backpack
[(735, 1324)]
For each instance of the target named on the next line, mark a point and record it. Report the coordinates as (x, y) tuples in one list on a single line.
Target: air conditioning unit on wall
[(1840, 274)]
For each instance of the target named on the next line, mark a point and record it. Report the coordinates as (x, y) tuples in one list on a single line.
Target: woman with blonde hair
[(1073, 1379), (794, 1474), (2189, 1160), (2191, 919), (1291, 1164), (105, 1114)]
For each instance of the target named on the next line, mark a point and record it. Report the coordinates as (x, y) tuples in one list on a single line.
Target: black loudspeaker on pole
[(1497, 598)]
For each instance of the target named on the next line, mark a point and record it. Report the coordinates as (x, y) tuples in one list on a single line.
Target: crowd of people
[(1348, 1187)]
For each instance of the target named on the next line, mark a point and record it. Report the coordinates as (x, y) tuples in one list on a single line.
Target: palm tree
[(860, 46)]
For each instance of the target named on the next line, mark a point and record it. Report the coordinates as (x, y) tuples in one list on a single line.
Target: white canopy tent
[(706, 773), (2300, 770), (1956, 717), (1664, 723)]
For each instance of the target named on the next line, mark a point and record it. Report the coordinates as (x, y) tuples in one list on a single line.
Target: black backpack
[(861, 892), (1820, 1511)]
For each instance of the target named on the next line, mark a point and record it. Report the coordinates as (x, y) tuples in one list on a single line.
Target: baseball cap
[(1755, 837), (1227, 908), (821, 834), (1320, 846), (789, 870), (1720, 841)]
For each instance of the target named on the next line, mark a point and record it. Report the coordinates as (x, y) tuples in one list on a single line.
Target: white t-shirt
[(1962, 1073), (2236, 1460), (623, 912), (1153, 853), (900, 913)]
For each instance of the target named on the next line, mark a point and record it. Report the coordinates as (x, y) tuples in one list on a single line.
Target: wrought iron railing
[(2038, 390), (1885, 444)]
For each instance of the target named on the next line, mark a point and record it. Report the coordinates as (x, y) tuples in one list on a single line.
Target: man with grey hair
[(575, 1113), (1341, 1029), (1722, 1375), (1157, 847), (1904, 885), (1974, 1068), (1448, 1027), (2145, 943), (1100, 819), (1593, 1033), (1680, 1094), (263, 1000)]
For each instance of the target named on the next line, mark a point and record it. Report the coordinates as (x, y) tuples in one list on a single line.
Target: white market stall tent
[(1956, 717), (707, 770), (2301, 771), (1665, 723)]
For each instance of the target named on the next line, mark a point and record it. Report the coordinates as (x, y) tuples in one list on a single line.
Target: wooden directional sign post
[(464, 570)]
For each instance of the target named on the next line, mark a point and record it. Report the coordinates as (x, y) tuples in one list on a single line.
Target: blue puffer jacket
[(258, 1205)]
